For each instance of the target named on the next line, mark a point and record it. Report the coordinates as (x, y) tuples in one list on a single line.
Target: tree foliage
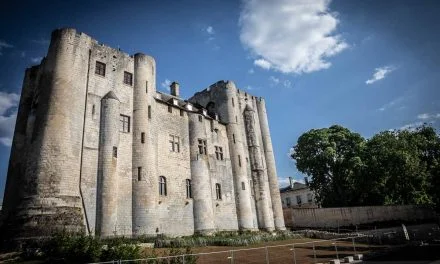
[(392, 167)]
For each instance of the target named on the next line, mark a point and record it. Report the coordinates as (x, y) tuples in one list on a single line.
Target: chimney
[(292, 182), (174, 87)]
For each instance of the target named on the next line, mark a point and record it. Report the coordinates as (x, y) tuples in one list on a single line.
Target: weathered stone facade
[(97, 148)]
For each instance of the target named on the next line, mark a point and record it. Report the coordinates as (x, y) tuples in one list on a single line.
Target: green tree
[(331, 157)]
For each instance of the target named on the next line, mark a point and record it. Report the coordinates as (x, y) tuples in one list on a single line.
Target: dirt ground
[(311, 251)]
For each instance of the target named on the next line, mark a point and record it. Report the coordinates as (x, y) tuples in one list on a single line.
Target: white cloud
[(263, 64), (23, 54), (36, 59), (291, 36), (380, 73), (411, 126), (274, 80), (392, 103), (8, 114), (3, 45), (251, 71), (166, 84), (426, 116), (249, 87), (287, 83), (210, 30)]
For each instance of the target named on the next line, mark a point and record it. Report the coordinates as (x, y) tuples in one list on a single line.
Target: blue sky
[(367, 65)]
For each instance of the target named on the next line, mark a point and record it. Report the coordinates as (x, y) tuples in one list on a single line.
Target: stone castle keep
[(97, 148)]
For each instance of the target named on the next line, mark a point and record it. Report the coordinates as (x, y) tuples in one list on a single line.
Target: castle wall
[(76, 166), (98, 86)]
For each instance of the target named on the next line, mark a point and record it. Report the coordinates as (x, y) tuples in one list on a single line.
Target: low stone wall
[(350, 216)]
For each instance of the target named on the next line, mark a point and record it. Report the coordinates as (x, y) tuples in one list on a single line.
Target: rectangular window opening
[(202, 146), (239, 160), (170, 109), (128, 78), (93, 109), (115, 152), (100, 68), (139, 173), (233, 138), (125, 124), (143, 137), (146, 86), (200, 118), (233, 104), (174, 143), (243, 186), (149, 111), (218, 191)]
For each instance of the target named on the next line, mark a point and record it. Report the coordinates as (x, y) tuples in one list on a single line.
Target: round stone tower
[(200, 178), (237, 153), (270, 164), (144, 176), (107, 188), (257, 170)]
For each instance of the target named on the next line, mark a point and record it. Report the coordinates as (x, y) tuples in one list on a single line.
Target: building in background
[(96, 148), (297, 195)]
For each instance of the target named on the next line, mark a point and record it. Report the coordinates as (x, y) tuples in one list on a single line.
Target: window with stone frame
[(298, 199), (128, 78), (174, 143), (288, 202), (124, 124), (218, 153), (100, 68), (309, 197), (188, 189), (202, 146), (218, 191), (162, 186)]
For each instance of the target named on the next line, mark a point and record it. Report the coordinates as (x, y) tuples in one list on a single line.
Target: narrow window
[(218, 153), (139, 173), (202, 146), (181, 112), (128, 78), (309, 197), (170, 109), (115, 152), (298, 199), (252, 187), (233, 138), (125, 124), (162, 186), (100, 68), (239, 160), (149, 111), (233, 105), (143, 137), (146, 86), (174, 143), (243, 186), (236, 119), (218, 191), (288, 201), (93, 110), (188, 189), (200, 118)]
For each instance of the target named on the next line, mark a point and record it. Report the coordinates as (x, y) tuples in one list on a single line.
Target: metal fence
[(304, 252)]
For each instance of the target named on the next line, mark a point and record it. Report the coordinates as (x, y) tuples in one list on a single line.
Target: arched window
[(218, 191), (162, 185), (188, 189)]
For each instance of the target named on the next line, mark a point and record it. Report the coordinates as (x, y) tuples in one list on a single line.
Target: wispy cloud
[(41, 41), (166, 84), (291, 36), (251, 71), (380, 73), (4, 45), (393, 103), (36, 59), (210, 30), (8, 115), (427, 116), (23, 54), (274, 81)]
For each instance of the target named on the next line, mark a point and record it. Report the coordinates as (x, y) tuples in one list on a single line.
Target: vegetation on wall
[(391, 168)]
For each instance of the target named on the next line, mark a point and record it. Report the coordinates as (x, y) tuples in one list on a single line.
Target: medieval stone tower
[(97, 149)]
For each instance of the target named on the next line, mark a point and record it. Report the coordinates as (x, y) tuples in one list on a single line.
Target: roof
[(296, 186)]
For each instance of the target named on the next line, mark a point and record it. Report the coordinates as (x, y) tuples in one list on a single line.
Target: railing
[(315, 251)]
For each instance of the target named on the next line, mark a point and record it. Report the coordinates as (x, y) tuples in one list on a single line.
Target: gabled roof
[(296, 186)]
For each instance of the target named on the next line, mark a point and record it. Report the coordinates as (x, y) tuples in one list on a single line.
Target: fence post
[(336, 248), (354, 246), (267, 255), (294, 253), (314, 253)]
